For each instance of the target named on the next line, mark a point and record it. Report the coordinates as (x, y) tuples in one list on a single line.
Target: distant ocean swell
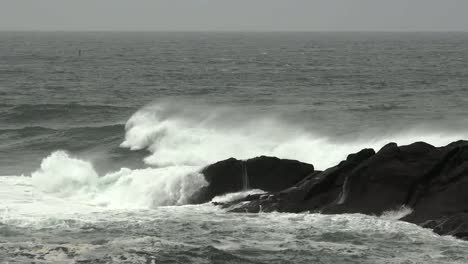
[(76, 138), (58, 115)]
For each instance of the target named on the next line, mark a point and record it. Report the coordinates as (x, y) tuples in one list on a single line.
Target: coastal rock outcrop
[(266, 173), (432, 181), (453, 225)]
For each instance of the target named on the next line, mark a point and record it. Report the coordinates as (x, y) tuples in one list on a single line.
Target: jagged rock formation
[(432, 181)]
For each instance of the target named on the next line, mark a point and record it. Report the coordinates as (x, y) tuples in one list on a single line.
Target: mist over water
[(110, 142), (180, 133)]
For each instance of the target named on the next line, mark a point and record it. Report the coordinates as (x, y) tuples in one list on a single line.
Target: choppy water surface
[(40, 228), (336, 86), (110, 141)]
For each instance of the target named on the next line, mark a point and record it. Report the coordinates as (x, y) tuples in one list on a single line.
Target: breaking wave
[(183, 138), (70, 177), (229, 197), (187, 134)]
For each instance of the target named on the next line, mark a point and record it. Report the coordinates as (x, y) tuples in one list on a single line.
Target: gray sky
[(239, 15)]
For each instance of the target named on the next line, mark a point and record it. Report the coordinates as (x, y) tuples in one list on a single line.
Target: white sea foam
[(66, 176), (235, 196), (397, 214), (184, 139), (178, 134)]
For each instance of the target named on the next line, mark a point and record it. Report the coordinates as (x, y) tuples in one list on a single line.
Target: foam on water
[(40, 227), (301, 101), (398, 213), (182, 140), (65, 176), (179, 134), (67, 196), (229, 197)]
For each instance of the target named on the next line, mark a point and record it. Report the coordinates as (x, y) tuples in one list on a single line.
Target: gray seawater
[(75, 108)]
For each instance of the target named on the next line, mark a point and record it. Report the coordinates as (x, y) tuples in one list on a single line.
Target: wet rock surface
[(266, 173), (433, 181)]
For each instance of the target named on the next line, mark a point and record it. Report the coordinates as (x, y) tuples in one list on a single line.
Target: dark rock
[(313, 193), (384, 181), (455, 225), (445, 191), (266, 173), (433, 181)]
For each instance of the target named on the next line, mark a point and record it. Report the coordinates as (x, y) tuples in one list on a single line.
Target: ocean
[(103, 135)]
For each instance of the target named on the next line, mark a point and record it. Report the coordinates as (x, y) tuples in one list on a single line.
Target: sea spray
[(64, 175), (397, 213), (71, 177), (183, 140), (177, 133), (229, 197)]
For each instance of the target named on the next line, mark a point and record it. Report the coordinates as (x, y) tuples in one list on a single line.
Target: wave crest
[(70, 177), (182, 138), (178, 133)]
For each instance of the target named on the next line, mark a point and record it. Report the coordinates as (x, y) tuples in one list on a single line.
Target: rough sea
[(102, 136)]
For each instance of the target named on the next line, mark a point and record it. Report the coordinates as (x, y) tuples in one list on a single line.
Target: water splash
[(397, 213), (178, 134), (66, 176)]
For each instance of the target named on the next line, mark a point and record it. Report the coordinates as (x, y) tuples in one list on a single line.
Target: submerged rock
[(433, 181)]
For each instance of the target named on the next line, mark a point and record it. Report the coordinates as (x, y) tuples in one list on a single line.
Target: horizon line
[(226, 31)]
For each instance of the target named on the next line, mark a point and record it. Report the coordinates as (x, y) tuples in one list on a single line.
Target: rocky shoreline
[(432, 181)]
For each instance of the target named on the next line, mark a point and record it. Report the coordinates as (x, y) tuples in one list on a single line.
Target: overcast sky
[(238, 15)]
